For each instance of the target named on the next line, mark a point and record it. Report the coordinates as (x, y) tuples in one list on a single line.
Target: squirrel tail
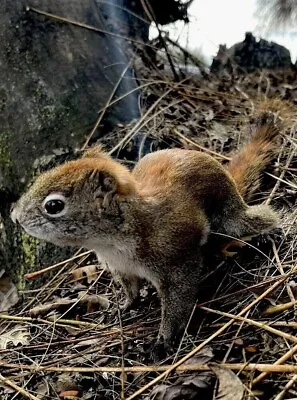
[(248, 164)]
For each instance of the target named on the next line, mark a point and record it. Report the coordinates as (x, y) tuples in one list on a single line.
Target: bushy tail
[(248, 164)]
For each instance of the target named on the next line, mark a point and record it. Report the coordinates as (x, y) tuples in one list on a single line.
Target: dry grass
[(105, 354)]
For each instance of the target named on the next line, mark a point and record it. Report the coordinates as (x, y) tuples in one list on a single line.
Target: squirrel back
[(253, 158)]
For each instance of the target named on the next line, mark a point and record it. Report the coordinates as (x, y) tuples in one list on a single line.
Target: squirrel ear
[(105, 186)]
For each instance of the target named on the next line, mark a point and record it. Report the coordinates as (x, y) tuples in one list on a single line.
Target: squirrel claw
[(235, 245), (161, 350)]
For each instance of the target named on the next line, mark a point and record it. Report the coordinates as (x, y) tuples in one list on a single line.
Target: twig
[(194, 59), (280, 361), (55, 281), (200, 147), (279, 308), (283, 324), (261, 325), (107, 104), (255, 323), (289, 384), (281, 270), (51, 321), (36, 274), (150, 13), (230, 347), (86, 26), (292, 185), (246, 289), (143, 121), (64, 322), (17, 388), (279, 179)]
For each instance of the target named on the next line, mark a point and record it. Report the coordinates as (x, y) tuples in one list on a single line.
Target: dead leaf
[(192, 389), (8, 292), (250, 349), (196, 386), (203, 357), (17, 335), (44, 308), (66, 385), (94, 302), (88, 271), (43, 389), (230, 386), (201, 386), (69, 394)]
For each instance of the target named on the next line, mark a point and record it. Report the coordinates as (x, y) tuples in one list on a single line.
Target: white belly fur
[(123, 261)]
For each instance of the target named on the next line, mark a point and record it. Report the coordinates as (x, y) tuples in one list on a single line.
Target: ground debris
[(87, 334)]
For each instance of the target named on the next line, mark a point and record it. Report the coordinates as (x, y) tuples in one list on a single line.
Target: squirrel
[(153, 222)]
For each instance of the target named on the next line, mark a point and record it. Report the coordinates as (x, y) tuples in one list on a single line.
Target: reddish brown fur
[(74, 172), (247, 165), (96, 152)]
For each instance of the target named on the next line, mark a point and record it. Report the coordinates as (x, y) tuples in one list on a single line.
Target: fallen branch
[(269, 368)]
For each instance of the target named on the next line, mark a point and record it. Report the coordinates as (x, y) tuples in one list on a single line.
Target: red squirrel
[(153, 222)]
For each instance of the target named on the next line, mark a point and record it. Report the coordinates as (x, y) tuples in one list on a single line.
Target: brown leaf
[(69, 394), (94, 302), (17, 335), (230, 386), (88, 271), (250, 349), (8, 292)]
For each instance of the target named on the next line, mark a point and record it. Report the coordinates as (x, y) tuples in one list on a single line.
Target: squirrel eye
[(54, 204)]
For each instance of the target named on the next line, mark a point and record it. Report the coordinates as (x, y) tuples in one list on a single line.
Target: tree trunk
[(54, 78)]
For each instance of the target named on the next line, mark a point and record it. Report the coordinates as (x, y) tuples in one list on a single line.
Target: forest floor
[(68, 338)]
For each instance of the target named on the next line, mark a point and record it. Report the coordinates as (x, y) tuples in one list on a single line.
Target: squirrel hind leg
[(252, 221)]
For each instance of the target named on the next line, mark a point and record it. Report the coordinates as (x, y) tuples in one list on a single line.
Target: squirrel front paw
[(161, 349), (129, 303)]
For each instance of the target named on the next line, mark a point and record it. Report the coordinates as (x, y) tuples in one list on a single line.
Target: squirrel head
[(64, 204)]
